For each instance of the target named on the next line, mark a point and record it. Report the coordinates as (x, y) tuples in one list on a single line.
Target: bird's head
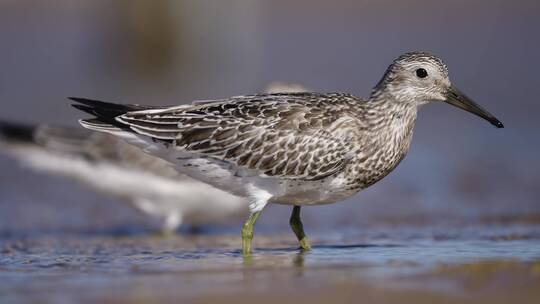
[(418, 78)]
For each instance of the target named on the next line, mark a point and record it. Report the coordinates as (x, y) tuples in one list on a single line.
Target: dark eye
[(421, 73)]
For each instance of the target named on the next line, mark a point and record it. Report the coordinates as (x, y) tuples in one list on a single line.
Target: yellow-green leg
[(247, 232), (298, 228)]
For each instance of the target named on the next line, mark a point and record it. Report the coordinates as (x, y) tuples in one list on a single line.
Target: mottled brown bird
[(290, 148)]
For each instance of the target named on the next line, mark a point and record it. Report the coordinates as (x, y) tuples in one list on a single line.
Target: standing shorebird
[(290, 148)]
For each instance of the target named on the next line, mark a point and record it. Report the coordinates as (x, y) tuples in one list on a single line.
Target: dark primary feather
[(286, 135), (105, 112)]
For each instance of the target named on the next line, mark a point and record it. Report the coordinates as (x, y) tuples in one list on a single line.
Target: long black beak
[(460, 100)]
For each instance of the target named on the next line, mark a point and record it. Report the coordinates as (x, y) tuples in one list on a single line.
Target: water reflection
[(416, 258)]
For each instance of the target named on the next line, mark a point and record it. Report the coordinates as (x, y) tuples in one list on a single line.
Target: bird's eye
[(421, 73)]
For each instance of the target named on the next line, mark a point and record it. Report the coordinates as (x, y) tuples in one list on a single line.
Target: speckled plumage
[(290, 148), (300, 139)]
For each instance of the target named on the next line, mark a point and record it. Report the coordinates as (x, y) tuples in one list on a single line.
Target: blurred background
[(459, 168)]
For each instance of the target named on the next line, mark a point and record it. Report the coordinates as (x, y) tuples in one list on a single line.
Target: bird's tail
[(104, 113)]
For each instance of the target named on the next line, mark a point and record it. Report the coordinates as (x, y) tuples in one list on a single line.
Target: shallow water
[(407, 261)]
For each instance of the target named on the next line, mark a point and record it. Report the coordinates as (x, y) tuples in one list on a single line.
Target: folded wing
[(279, 135)]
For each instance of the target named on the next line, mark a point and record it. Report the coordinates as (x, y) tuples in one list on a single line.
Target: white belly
[(248, 183)]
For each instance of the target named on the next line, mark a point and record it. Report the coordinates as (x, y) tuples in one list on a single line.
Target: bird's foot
[(305, 244)]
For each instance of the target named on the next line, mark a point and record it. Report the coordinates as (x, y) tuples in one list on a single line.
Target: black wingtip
[(99, 104), (78, 106), (109, 106), (86, 100), (86, 109), (104, 112), (80, 99)]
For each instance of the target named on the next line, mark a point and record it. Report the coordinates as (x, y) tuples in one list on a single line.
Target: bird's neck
[(385, 139), (388, 114), (392, 125)]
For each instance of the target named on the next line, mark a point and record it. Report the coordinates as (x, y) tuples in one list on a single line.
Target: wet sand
[(406, 264)]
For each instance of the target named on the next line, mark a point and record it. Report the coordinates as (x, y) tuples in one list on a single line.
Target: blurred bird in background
[(113, 167)]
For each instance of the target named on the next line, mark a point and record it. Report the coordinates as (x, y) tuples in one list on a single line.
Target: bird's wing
[(293, 135)]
